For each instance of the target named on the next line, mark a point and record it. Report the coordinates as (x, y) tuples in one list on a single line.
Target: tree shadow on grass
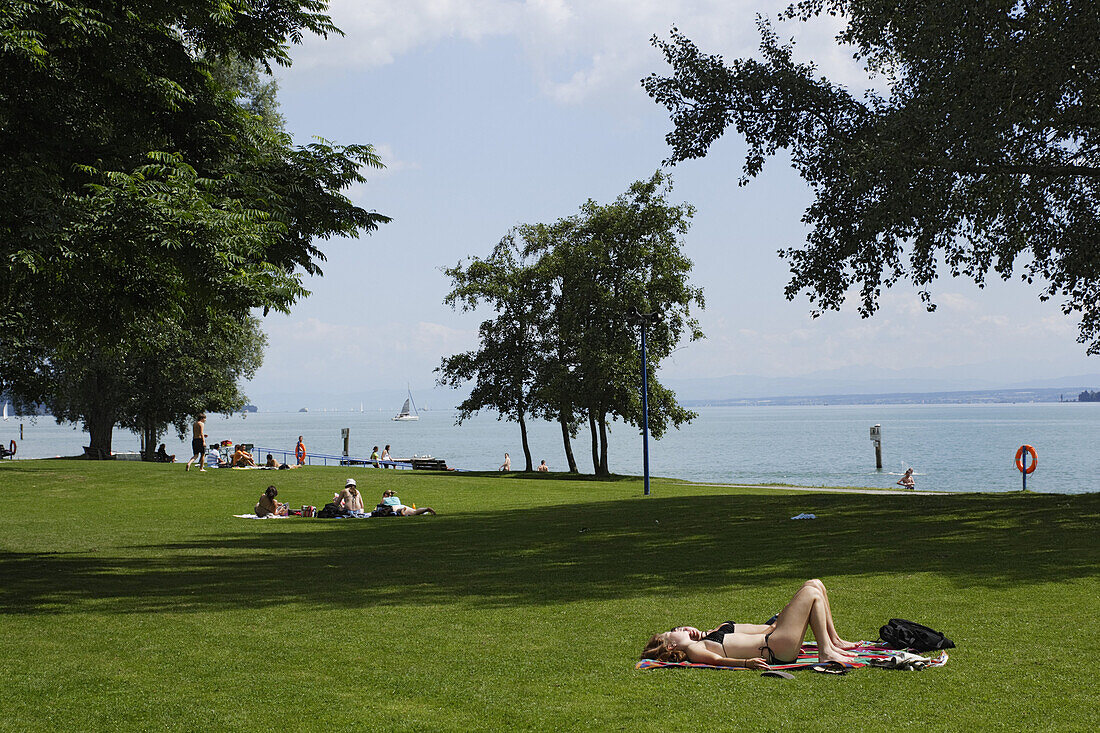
[(557, 554)]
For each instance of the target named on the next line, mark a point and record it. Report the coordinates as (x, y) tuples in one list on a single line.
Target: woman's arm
[(700, 655)]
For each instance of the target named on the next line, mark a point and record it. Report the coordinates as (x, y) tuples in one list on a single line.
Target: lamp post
[(643, 319)]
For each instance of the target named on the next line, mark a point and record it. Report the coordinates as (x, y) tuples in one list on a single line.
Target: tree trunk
[(595, 442), (568, 443), (603, 447), (526, 447), (149, 437), (99, 423)]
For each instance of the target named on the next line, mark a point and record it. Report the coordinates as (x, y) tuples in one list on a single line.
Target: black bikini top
[(719, 634)]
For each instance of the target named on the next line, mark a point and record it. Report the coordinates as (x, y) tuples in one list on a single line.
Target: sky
[(492, 113)]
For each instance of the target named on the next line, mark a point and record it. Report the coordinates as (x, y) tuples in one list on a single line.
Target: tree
[(505, 367), (984, 154), (561, 347), (610, 259), (148, 181)]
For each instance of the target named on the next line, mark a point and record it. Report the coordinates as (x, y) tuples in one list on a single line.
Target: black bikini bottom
[(771, 658)]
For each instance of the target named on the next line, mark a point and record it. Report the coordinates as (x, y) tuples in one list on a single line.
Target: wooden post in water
[(345, 432), (876, 438)]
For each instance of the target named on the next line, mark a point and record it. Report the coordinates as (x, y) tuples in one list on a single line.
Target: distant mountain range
[(820, 384), (839, 386)]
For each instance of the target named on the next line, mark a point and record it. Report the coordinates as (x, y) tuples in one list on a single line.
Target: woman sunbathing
[(390, 499), (267, 504), (758, 645)]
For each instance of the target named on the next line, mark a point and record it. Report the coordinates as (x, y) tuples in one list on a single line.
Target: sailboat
[(6, 416), (405, 414)]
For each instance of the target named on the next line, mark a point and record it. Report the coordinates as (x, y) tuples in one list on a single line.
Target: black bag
[(330, 511), (382, 510), (901, 634)]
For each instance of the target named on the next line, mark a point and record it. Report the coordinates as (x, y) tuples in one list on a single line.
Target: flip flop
[(829, 668), (777, 673)]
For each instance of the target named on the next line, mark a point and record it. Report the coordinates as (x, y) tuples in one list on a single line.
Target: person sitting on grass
[(162, 455), (271, 462), (756, 646), (907, 481), (242, 458), (543, 468), (350, 499), (389, 498), (267, 506)]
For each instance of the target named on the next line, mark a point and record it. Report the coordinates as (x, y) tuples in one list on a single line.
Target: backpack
[(901, 634), (330, 511)]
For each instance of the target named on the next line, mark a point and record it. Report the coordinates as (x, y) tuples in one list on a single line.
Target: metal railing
[(289, 458)]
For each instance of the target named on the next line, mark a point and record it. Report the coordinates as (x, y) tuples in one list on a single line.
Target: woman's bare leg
[(807, 608), (833, 636)]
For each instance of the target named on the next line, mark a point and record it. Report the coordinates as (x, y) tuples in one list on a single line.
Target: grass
[(130, 599)]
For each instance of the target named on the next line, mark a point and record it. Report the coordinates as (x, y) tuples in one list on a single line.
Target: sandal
[(829, 668)]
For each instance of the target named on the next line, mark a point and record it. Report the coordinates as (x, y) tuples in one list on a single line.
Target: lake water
[(950, 447)]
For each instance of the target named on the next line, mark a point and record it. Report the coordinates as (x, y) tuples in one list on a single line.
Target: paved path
[(828, 490)]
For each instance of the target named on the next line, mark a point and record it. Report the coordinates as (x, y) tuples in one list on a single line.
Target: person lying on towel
[(756, 646), (389, 498)]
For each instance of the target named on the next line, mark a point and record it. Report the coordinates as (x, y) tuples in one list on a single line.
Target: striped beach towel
[(868, 653)]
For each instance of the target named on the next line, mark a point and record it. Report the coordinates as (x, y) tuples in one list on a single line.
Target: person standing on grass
[(300, 451), (374, 456), (386, 459), (507, 465), (198, 442)]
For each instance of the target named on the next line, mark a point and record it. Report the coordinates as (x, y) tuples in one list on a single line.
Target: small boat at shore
[(407, 414)]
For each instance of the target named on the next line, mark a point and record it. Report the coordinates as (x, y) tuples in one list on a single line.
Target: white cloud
[(578, 50)]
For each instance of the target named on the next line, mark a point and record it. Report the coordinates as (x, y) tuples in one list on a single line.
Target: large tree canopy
[(147, 193), (983, 155)]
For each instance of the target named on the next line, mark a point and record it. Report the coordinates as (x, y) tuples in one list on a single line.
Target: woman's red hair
[(655, 649)]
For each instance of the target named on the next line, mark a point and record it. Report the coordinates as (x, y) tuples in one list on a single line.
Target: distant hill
[(838, 386)]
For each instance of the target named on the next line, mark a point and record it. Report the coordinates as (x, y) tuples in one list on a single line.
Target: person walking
[(198, 441)]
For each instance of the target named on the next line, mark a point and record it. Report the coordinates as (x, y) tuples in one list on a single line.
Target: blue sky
[(490, 113)]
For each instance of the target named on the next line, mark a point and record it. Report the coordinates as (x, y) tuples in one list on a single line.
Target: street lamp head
[(638, 318)]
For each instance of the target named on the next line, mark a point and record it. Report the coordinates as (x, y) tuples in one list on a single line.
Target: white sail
[(405, 413), (5, 409)]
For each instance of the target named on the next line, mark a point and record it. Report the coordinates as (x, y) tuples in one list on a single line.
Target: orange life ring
[(12, 447), (1020, 455), (300, 452)]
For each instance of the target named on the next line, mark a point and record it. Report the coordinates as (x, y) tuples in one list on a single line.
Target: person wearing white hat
[(350, 498)]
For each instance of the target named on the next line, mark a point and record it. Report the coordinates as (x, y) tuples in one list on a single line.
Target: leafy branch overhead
[(980, 158)]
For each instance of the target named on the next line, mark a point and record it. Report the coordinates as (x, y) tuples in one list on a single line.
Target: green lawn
[(131, 599)]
